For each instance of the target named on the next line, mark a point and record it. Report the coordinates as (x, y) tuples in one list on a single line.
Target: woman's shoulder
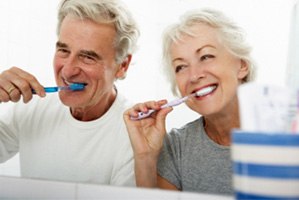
[(195, 123), (192, 127)]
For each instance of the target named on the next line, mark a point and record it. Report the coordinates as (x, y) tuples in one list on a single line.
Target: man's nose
[(71, 67)]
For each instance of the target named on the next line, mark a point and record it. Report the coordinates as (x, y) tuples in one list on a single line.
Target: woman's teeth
[(205, 91)]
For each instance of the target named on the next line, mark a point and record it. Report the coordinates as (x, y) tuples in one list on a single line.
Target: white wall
[(266, 22), (27, 40)]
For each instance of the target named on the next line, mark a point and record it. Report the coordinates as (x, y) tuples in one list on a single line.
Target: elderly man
[(78, 135)]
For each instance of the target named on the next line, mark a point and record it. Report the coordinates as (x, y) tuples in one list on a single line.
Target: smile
[(205, 91)]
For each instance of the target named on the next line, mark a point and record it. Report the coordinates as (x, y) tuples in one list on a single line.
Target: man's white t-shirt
[(54, 145)]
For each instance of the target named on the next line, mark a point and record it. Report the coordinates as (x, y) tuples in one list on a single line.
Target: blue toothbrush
[(72, 87)]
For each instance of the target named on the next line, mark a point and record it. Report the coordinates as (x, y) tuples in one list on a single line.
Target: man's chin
[(69, 101)]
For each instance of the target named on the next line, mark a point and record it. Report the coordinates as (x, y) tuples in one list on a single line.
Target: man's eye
[(62, 52), (88, 59)]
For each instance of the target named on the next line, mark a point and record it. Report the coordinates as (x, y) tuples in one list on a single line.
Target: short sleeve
[(168, 163)]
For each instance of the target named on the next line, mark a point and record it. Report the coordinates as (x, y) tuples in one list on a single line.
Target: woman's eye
[(206, 57), (179, 68)]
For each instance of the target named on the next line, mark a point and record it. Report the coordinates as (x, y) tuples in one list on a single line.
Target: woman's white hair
[(231, 35)]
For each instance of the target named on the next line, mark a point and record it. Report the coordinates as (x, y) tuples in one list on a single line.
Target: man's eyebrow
[(61, 44), (83, 52), (91, 53)]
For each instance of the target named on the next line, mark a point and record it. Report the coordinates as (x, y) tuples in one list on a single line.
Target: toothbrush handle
[(142, 115), (48, 90), (175, 102), (72, 87), (52, 89)]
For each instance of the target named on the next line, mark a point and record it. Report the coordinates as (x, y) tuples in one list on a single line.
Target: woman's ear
[(243, 70), (123, 68)]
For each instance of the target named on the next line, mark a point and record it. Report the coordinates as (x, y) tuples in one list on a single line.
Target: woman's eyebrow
[(197, 51), (205, 46)]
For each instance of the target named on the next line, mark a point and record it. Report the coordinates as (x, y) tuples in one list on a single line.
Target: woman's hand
[(15, 83), (146, 137), (147, 134)]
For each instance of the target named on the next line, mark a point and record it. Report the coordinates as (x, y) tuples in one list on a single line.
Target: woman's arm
[(164, 184)]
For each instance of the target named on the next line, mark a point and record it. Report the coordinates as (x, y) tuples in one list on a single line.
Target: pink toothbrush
[(175, 102)]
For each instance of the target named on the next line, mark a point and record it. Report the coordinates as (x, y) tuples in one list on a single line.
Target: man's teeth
[(205, 91)]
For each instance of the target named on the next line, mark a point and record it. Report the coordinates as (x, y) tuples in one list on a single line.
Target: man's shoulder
[(123, 102)]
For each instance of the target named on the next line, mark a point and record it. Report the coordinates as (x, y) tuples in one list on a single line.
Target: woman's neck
[(219, 127)]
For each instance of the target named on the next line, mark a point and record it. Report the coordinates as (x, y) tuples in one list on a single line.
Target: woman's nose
[(196, 73)]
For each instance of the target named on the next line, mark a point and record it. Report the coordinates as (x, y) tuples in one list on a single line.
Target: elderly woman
[(205, 53)]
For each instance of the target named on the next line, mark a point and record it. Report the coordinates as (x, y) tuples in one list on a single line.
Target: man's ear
[(123, 68), (243, 70)]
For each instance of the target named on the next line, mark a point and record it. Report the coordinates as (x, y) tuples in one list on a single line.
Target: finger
[(7, 88), (11, 88), (128, 113), (5, 84), (33, 84), (141, 107), (151, 105), (4, 97), (162, 102), (161, 118), (144, 107), (156, 105), (15, 95), (144, 110), (24, 88), (131, 112), (21, 80)]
